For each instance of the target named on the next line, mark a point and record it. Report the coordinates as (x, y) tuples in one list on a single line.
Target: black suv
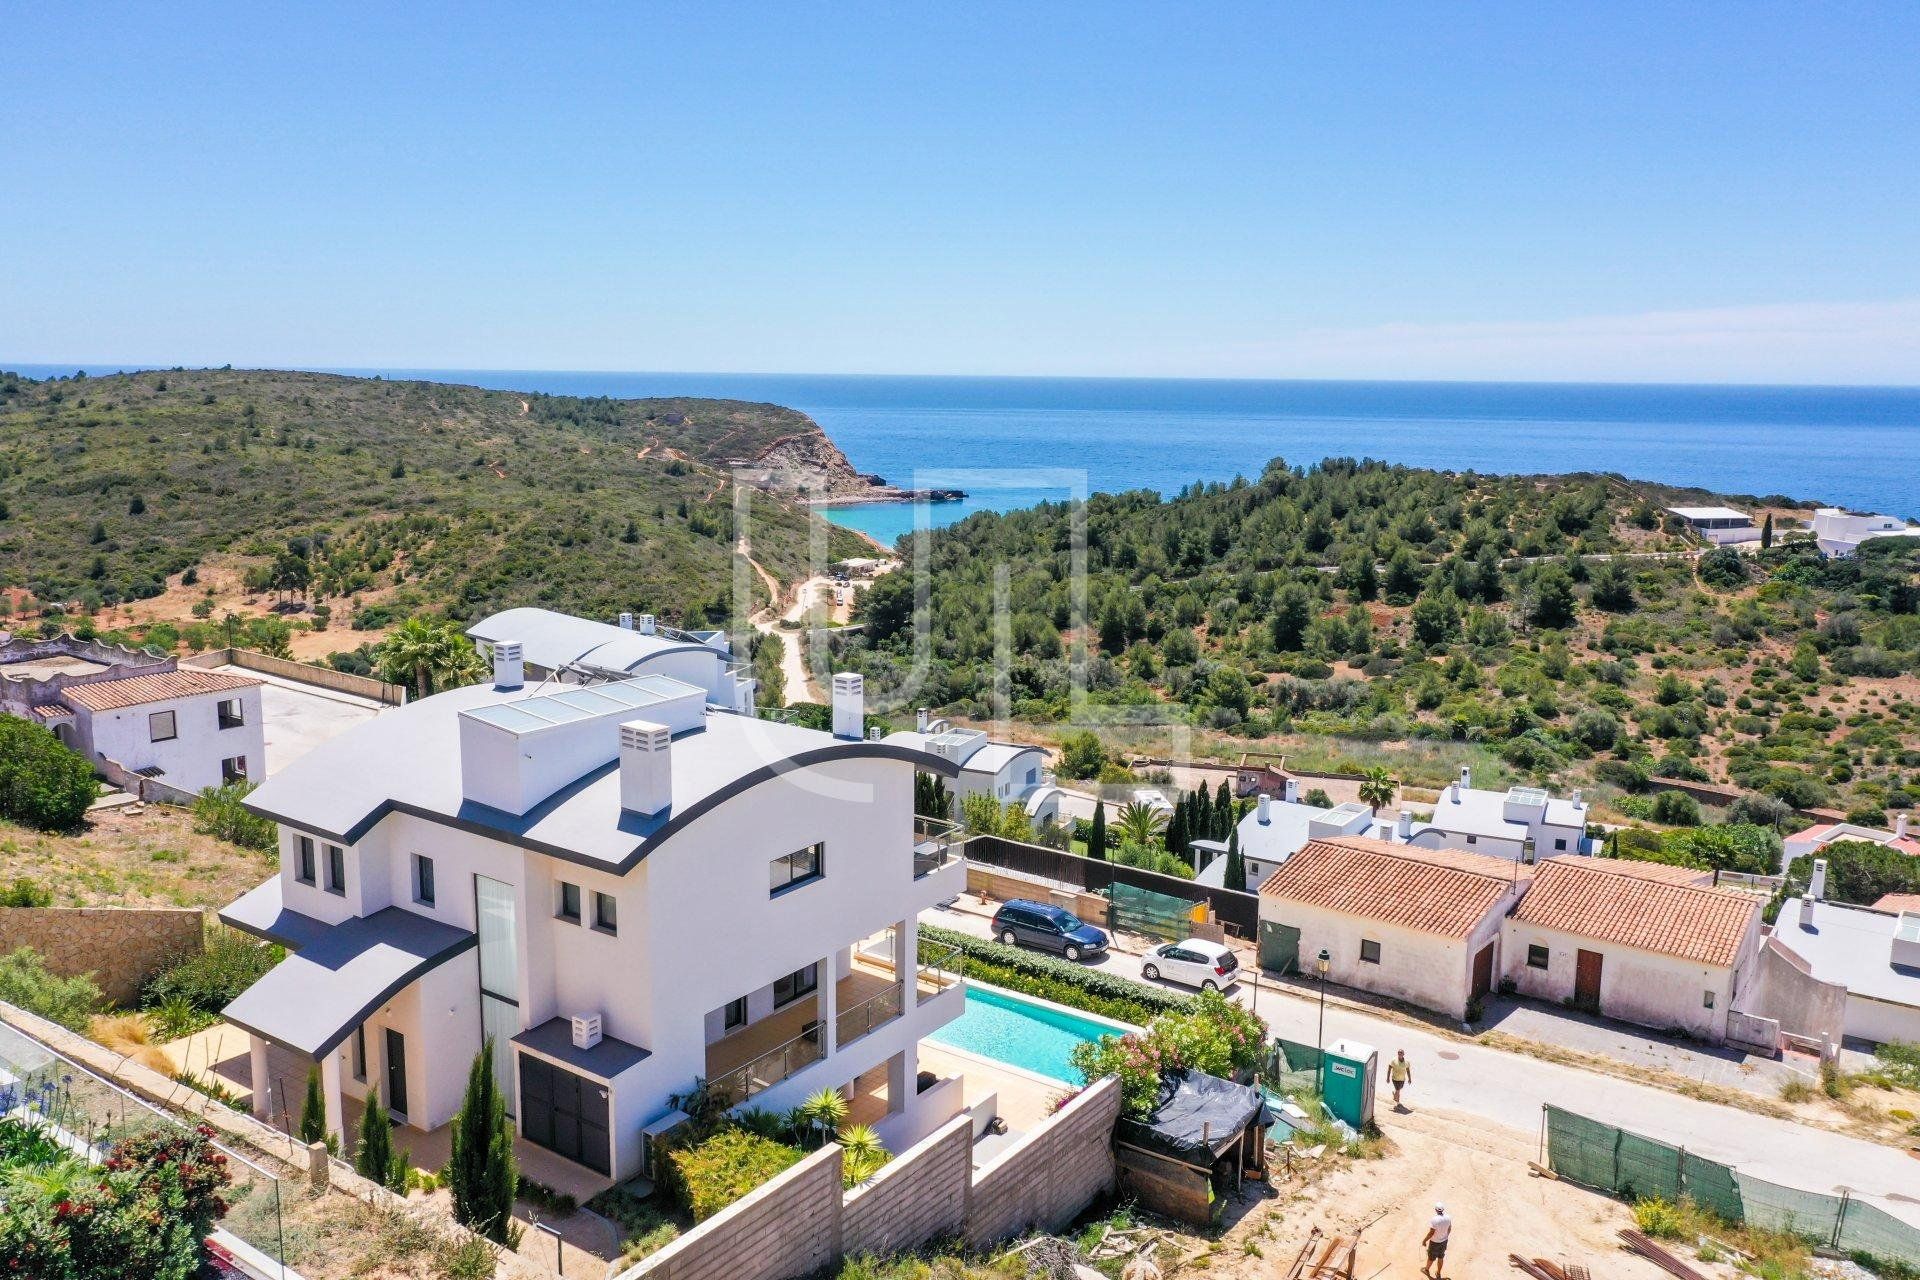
[(1050, 928)]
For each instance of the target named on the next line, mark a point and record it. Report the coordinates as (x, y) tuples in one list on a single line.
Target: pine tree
[(1097, 832), (480, 1171), (313, 1111), (373, 1156), (1236, 876)]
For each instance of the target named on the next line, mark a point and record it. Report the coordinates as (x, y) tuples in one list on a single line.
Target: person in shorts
[(1438, 1232), (1399, 1075)]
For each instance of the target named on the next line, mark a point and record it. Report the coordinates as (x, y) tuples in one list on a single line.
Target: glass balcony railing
[(768, 1069), (936, 844), (875, 1011), (939, 969)]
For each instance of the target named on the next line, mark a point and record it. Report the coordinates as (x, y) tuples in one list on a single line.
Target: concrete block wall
[(919, 1196), (787, 1227), (120, 946), (1052, 1174)]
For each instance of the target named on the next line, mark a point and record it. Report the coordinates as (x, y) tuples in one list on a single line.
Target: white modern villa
[(1839, 533), (561, 647), (1010, 772), (625, 885), (1722, 526)]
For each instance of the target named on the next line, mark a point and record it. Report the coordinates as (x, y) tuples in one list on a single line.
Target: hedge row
[(1051, 978)]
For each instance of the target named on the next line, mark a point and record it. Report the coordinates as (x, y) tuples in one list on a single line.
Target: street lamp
[(1322, 962)]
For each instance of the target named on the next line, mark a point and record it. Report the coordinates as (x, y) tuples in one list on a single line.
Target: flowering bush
[(1218, 1037)]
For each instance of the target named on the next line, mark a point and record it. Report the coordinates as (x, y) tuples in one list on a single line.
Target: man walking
[(1399, 1075), (1438, 1231)]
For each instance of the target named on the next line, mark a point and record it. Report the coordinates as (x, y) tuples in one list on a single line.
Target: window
[(160, 727), (423, 879), (1473, 839), (1536, 956), (336, 869), (801, 982), (606, 913), (1709, 999), (360, 1052), (735, 1015), (303, 861), (232, 713), (796, 868), (1369, 951), (1560, 844), (233, 769), (567, 907)]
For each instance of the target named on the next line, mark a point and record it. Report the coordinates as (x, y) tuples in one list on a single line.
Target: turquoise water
[(1021, 1034)]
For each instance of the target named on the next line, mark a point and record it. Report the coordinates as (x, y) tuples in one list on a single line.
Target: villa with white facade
[(559, 646), (1722, 526), (1010, 772), (1839, 533), (624, 886)]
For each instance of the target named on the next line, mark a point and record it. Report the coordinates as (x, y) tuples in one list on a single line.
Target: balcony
[(937, 857)]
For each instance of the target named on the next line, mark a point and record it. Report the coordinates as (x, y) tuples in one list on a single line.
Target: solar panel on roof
[(578, 703)]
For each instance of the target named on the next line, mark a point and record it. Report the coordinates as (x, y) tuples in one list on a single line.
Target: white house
[(1419, 925), (1638, 941), (563, 648), (1873, 953), (136, 712), (1811, 840), (1839, 533), (1274, 830), (623, 887), (1721, 526), (1010, 772)]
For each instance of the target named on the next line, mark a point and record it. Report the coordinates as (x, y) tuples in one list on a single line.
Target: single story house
[(1721, 526), (1252, 778), (1638, 941), (1419, 925), (1526, 823), (1874, 954), (1813, 839), (1839, 533)]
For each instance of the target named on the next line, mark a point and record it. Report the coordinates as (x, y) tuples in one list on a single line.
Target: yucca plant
[(863, 1154), (822, 1113)]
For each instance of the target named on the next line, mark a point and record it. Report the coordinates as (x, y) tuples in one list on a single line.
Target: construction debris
[(1548, 1269), (1643, 1244)]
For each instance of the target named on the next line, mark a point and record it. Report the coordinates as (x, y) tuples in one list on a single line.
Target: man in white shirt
[(1438, 1232)]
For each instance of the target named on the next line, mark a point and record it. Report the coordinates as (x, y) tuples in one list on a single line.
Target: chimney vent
[(921, 719), (1405, 825), (1899, 825), (1266, 811), (646, 767), (586, 1030), (873, 734), (1453, 791), (1290, 790), (1577, 800), (626, 621), (849, 704), (509, 670), (1817, 887), (647, 626), (1466, 775)]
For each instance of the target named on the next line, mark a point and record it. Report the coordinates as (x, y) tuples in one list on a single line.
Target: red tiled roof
[(1826, 832), (1439, 891), (1666, 873), (134, 691), (52, 711), (1600, 898), (1898, 902)]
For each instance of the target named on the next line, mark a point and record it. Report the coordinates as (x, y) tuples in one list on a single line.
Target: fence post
[(1840, 1218), (1543, 1136), (1680, 1170)]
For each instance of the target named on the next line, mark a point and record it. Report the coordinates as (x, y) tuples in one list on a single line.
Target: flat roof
[(582, 702), (1852, 946), (606, 1060), (1709, 513)]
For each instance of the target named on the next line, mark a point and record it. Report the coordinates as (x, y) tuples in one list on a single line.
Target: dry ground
[(153, 858)]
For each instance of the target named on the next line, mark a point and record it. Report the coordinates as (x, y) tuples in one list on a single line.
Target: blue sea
[(1010, 442)]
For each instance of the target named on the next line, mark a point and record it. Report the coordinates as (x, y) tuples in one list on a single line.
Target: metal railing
[(936, 843), (940, 968), (761, 1073), (875, 1011)]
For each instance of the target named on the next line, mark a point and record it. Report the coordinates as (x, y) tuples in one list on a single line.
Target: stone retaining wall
[(120, 946)]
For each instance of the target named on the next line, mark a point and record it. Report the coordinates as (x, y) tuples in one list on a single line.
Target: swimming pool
[(1022, 1033)]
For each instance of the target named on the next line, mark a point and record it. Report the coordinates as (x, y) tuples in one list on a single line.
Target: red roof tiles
[(1438, 891), (1615, 901), (134, 691)]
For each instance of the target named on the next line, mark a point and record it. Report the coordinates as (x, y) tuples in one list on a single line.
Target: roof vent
[(646, 767), (626, 621), (1906, 941), (647, 626), (509, 669), (1265, 808), (586, 1030), (849, 704)]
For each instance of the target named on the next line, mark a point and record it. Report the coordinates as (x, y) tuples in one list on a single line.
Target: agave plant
[(822, 1113)]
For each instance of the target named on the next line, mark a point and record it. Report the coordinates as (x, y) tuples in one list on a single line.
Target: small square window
[(233, 769), (1369, 951), (161, 727), (336, 869), (1536, 956), (1708, 1003), (1473, 839), (735, 1015), (1560, 845), (232, 713), (567, 902), (423, 879), (303, 860), (606, 913)]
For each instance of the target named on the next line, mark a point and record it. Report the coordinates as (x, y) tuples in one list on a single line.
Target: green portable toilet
[(1348, 1072)]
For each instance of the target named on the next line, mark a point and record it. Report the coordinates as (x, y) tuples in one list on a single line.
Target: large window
[(161, 727), (494, 908), (336, 869), (232, 713), (801, 982), (796, 868), (423, 879), (303, 860)]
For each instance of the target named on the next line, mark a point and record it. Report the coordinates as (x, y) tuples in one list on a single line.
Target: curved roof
[(555, 640)]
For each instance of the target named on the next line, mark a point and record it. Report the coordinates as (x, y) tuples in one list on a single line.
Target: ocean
[(1011, 442)]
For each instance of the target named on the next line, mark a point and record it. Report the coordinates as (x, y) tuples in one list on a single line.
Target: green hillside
[(423, 495)]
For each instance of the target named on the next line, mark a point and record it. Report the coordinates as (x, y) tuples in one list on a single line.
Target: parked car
[(1196, 963), (1047, 927)]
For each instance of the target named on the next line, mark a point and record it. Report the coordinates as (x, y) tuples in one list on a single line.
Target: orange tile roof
[(1612, 901), (1439, 891), (134, 691), (52, 711), (1664, 872), (1898, 902)]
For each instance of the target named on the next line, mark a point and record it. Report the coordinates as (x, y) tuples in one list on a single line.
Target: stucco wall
[(1420, 968), (191, 760), (912, 1200), (1784, 989), (120, 946), (1652, 990)]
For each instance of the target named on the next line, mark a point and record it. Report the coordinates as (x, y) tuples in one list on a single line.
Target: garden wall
[(1230, 906), (304, 673), (120, 946), (801, 1221)]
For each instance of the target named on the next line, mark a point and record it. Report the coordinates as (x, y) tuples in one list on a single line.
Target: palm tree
[(1377, 788), (864, 1153), (430, 655), (1139, 823)]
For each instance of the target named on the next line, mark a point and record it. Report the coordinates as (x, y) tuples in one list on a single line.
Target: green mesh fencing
[(1631, 1166), (1157, 915), (1293, 1068)]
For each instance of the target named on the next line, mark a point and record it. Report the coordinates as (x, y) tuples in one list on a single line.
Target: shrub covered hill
[(1561, 624), (415, 495)]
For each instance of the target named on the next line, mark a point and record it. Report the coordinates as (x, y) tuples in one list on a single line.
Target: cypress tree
[(1200, 815), (1766, 532), (313, 1111), (1222, 811), (480, 1171), (1236, 877), (1097, 833), (1176, 834), (373, 1156)]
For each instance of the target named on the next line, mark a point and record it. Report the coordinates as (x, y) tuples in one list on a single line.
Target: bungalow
[(623, 885), (1721, 526), (1638, 941), (1419, 925), (1812, 840)]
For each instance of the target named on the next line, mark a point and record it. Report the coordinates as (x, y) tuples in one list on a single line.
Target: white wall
[(1642, 987), (1420, 968), (1881, 1021), (191, 760)]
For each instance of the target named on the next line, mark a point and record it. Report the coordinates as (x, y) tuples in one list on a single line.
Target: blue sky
[(1719, 192)]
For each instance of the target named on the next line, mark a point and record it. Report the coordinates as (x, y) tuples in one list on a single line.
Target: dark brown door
[(1586, 981), (1483, 971)]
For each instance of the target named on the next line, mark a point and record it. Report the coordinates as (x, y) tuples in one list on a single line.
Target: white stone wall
[(191, 760)]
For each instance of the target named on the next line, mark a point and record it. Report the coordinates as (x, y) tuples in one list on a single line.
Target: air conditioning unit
[(586, 1030), (650, 1138)]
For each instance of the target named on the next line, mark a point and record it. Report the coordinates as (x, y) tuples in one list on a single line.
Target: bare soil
[(153, 858)]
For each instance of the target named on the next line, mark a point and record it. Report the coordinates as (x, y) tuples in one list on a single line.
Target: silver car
[(1211, 966)]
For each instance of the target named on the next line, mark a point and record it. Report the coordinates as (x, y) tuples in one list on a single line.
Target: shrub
[(206, 983), (26, 892), (25, 981), (1661, 1219), (1054, 979), (712, 1175), (221, 812), (42, 783), (1217, 1036)]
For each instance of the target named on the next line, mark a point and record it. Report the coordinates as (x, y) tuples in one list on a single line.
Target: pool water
[(1021, 1033)]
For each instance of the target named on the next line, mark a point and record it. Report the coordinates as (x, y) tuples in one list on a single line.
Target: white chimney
[(626, 621), (1290, 790), (1817, 888), (922, 718), (1405, 826), (1453, 791), (873, 734), (1899, 825), (1577, 801), (646, 767), (586, 1030), (1466, 775), (646, 624), (849, 704), (509, 670), (1266, 808)]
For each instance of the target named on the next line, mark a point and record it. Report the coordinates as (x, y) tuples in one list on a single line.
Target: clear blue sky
[(1613, 190)]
